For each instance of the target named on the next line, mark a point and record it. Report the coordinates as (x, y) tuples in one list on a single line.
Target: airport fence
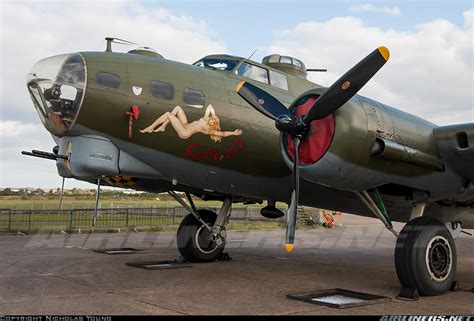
[(24, 220)]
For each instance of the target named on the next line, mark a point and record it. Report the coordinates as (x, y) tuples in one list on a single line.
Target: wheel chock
[(223, 257), (455, 287), (409, 294)]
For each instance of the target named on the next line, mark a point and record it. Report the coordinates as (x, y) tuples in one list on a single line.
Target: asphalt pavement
[(61, 274)]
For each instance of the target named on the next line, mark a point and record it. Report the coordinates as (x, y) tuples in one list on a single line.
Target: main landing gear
[(202, 233), (425, 256), (425, 252)]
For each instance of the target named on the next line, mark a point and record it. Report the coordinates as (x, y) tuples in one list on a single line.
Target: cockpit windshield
[(220, 64)]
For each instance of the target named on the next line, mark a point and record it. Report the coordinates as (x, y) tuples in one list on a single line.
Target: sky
[(429, 74)]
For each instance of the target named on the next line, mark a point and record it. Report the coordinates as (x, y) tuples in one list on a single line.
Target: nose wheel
[(425, 256)]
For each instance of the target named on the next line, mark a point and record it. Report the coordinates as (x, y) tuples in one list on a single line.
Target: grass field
[(41, 214), (83, 222), (68, 203)]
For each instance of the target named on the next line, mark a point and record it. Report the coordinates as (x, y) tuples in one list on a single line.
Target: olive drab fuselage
[(251, 163)]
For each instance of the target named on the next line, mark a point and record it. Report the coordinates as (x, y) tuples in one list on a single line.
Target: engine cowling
[(339, 150)]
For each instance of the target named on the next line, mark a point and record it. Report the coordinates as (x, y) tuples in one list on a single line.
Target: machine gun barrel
[(42, 154)]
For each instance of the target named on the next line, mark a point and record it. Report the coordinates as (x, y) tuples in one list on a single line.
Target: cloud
[(468, 18), (429, 74), (17, 170), (33, 30), (15, 128), (367, 7)]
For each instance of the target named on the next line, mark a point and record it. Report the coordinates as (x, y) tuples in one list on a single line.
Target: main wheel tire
[(193, 238), (425, 256)]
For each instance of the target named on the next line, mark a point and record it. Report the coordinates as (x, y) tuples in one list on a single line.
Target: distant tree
[(7, 192)]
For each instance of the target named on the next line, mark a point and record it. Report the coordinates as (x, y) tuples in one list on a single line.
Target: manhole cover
[(338, 298), (160, 265), (122, 250)]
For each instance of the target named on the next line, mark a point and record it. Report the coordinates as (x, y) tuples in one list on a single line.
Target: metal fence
[(12, 220)]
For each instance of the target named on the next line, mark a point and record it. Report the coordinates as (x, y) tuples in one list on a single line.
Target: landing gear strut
[(425, 256), (425, 253), (202, 234)]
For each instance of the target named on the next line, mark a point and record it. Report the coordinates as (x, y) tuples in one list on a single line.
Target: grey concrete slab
[(90, 304), (28, 287), (60, 274), (234, 297)]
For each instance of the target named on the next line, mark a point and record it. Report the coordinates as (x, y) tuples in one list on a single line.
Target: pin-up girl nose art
[(207, 125)]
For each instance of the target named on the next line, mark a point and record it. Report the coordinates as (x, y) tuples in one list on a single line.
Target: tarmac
[(61, 274)]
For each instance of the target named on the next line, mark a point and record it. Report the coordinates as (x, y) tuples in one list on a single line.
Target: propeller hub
[(291, 125)]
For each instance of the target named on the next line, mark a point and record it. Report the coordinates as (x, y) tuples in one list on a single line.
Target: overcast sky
[(430, 72)]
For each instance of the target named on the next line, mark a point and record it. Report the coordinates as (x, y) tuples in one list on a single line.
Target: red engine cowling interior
[(316, 142)]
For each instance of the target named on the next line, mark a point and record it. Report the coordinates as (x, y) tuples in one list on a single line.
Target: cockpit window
[(253, 72), (278, 80), (221, 64)]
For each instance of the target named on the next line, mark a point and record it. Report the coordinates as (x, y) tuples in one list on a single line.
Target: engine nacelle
[(339, 149)]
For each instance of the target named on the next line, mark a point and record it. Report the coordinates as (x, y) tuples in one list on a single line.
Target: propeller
[(330, 101)]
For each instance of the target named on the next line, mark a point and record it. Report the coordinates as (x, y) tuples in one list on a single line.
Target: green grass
[(66, 222), (165, 221), (35, 204)]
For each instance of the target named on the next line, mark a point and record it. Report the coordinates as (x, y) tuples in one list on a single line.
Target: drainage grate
[(338, 298), (122, 250), (161, 265)]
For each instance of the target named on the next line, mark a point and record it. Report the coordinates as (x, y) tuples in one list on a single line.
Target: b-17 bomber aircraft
[(231, 129)]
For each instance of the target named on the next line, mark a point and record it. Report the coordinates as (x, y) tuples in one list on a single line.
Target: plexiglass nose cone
[(56, 86)]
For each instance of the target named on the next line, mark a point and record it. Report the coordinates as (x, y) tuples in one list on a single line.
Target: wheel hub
[(205, 241), (439, 258)]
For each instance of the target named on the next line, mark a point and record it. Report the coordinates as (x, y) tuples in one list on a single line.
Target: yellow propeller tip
[(384, 52), (289, 248), (239, 85)]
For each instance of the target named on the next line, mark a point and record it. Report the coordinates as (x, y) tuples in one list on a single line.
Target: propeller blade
[(348, 85), (262, 101), (293, 207)]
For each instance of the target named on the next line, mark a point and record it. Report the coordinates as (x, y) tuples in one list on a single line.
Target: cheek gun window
[(162, 90), (193, 98), (108, 80)]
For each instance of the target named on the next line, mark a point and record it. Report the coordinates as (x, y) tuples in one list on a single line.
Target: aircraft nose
[(57, 87)]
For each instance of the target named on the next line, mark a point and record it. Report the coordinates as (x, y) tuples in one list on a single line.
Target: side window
[(278, 80), (108, 80), (253, 72), (193, 98), (162, 90)]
